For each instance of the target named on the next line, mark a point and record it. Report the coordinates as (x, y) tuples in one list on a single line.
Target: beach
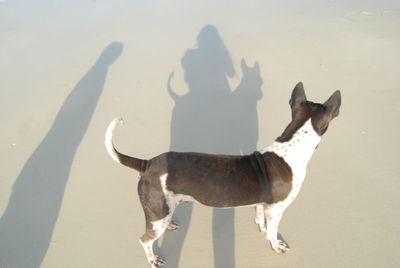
[(207, 76)]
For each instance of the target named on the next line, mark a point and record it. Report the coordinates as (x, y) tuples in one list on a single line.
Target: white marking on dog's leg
[(273, 216), (160, 226), (147, 241), (170, 197), (260, 218), (172, 200), (148, 249), (163, 182)]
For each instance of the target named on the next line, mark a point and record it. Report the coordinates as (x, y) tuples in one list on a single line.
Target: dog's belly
[(227, 203), (221, 195)]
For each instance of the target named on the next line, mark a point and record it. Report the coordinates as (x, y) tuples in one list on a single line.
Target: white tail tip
[(119, 120), (108, 138)]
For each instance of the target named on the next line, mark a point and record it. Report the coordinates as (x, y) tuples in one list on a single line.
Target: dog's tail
[(173, 95), (132, 162)]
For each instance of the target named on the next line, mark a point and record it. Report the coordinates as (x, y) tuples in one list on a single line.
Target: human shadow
[(27, 225), (211, 118)]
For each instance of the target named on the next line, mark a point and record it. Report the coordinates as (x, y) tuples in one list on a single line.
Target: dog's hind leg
[(154, 230), (158, 205), (172, 200), (157, 215)]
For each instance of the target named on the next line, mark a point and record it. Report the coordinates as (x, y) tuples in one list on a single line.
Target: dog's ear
[(257, 67), (298, 96), (243, 65), (332, 105)]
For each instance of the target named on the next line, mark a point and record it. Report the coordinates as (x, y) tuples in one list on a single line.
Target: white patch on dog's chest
[(296, 153)]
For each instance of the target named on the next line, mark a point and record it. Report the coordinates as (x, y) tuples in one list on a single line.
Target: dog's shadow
[(27, 225), (212, 118)]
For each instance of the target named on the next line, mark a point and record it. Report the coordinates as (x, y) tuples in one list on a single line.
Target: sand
[(69, 67)]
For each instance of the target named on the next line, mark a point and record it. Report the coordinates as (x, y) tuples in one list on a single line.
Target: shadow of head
[(208, 65), (111, 53), (209, 38)]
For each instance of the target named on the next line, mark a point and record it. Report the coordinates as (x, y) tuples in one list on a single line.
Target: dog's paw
[(173, 226), (280, 247), (157, 262)]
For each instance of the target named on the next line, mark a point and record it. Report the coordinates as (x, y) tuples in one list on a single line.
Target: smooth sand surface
[(68, 67)]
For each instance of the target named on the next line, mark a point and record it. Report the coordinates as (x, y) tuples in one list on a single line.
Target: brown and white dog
[(269, 179)]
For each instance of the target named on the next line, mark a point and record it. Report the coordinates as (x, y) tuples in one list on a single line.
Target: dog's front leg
[(260, 218), (273, 216)]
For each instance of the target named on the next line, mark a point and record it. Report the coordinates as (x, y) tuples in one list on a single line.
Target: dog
[(269, 179)]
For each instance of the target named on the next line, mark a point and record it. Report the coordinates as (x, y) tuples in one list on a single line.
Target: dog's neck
[(298, 150)]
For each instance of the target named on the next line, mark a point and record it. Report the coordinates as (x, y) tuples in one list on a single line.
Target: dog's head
[(251, 81), (320, 114), (303, 110)]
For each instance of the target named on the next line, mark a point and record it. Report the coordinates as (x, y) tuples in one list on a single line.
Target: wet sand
[(69, 68)]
